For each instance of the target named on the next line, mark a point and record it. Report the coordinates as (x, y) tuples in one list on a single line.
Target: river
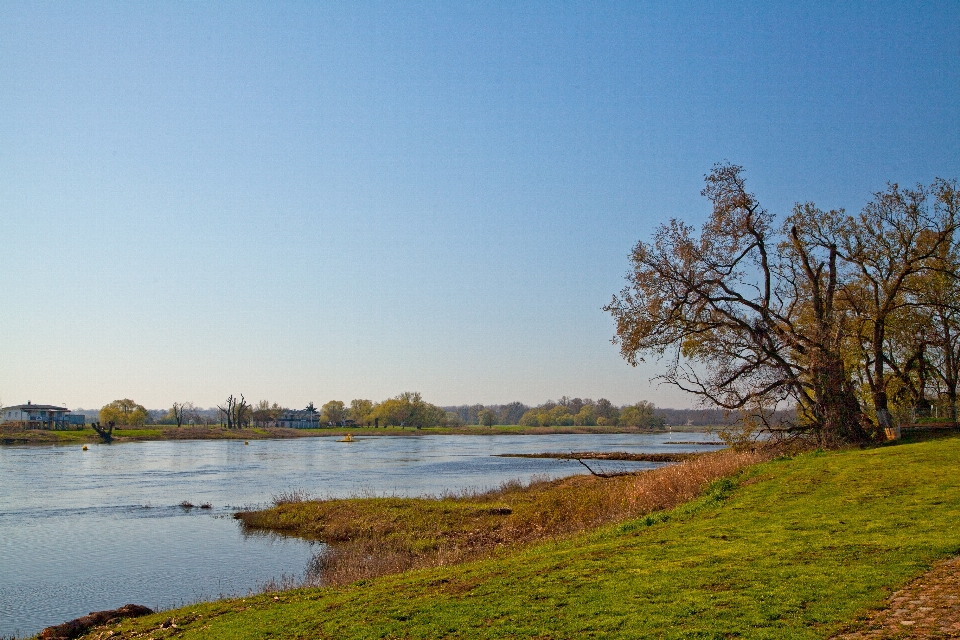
[(83, 531)]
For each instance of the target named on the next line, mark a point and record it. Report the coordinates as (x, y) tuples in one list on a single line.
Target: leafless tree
[(241, 416), (236, 413), (745, 314), (227, 412), (177, 410)]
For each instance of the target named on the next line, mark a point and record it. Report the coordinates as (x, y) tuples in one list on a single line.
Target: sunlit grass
[(792, 548)]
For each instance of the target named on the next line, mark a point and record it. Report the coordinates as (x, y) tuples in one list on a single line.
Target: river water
[(83, 531)]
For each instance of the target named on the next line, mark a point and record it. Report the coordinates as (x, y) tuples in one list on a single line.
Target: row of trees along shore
[(409, 410), (854, 320)]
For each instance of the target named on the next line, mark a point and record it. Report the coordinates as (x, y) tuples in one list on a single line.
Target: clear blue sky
[(309, 201)]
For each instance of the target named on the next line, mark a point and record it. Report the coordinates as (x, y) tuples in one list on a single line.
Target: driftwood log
[(104, 432), (76, 628)]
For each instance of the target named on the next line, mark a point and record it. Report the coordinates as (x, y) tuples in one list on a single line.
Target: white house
[(41, 416)]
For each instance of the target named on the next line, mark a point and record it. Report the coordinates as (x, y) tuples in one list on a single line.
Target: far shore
[(217, 432)]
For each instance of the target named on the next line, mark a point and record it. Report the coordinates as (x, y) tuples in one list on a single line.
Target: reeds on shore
[(372, 536)]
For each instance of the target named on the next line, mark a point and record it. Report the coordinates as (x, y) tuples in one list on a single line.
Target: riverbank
[(370, 537), (798, 547), (162, 432)]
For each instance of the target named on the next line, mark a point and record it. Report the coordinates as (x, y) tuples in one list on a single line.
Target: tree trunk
[(106, 434), (836, 406), (952, 399), (878, 382)]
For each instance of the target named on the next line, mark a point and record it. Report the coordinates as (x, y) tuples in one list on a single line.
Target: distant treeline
[(505, 413), (563, 412), (158, 416), (716, 417), (603, 412)]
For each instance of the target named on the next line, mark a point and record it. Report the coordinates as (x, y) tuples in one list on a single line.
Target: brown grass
[(368, 537)]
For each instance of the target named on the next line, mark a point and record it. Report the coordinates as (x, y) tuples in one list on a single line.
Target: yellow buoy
[(245, 442), (84, 447)]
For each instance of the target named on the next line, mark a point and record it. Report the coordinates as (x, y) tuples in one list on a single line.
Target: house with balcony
[(40, 416)]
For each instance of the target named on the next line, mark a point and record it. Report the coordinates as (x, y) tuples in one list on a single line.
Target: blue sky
[(309, 201)]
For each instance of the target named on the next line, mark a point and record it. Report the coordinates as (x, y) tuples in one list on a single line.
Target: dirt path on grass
[(928, 607)]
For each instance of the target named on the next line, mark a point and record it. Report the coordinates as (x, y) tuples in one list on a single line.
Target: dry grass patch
[(368, 537)]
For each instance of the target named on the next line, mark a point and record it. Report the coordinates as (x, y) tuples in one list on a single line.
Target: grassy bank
[(163, 432), (376, 536), (150, 432), (792, 548)]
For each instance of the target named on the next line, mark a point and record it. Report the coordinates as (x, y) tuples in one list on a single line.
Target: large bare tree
[(746, 313), (236, 413), (813, 312)]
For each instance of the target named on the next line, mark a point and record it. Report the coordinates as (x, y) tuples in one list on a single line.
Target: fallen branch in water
[(606, 455), (597, 473)]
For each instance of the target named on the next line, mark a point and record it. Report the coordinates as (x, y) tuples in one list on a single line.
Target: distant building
[(308, 418), (41, 416)]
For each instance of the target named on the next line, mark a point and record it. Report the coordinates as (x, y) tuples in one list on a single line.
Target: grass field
[(794, 548)]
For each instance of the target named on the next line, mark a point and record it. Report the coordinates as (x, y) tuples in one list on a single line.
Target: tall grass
[(374, 536), (290, 496)]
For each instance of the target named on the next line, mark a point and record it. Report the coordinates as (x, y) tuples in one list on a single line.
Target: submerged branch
[(607, 455)]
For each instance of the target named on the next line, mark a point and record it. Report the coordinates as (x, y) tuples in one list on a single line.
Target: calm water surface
[(82, 531)]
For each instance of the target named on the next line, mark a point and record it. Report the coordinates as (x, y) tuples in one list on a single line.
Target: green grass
[(795, 548), (43, 436)]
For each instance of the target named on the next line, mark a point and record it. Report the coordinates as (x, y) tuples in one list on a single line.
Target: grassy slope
[(792, 549)]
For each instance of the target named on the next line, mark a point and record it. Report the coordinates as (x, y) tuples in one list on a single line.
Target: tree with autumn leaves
[(846, 317), (125, 413)]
